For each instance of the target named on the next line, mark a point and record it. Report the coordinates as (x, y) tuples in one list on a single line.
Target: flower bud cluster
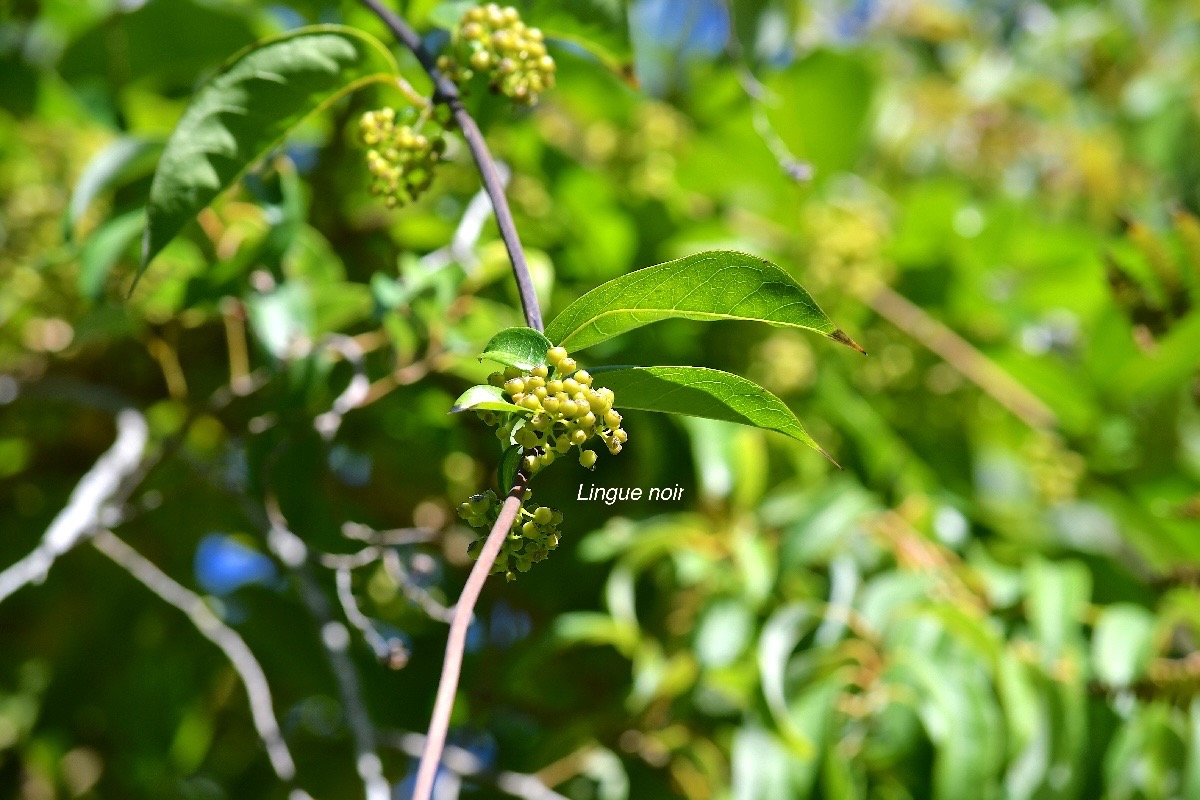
[(493, 40), (400, 159), (532, 536), (565, 411)]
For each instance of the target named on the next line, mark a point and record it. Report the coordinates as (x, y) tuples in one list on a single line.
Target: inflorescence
[(532, 536), (492, 40), (561, 410), (565, 411), (400, 159)]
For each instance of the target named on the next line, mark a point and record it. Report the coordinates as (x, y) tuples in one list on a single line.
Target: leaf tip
[(840, 337), (821, 450)]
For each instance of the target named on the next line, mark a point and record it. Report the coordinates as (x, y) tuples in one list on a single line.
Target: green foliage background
[(997, 596)]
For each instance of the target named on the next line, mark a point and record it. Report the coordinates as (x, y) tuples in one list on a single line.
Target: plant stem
[(443, 705), (446, 91)]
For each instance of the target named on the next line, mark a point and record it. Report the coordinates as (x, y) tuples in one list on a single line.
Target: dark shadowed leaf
[(714, 285), (506, 473), (247, 109)]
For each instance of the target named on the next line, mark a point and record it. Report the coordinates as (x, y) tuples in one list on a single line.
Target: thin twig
[(415, 593), (95, 490), (293, 552), (212, 628), (959, 354), (443, 704), (355, 393), (445, 91), (465, 763), (395, 536), (390, 651)]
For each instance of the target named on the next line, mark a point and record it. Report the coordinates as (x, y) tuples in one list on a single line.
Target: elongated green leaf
[(702, 392), (523, 348), (483, 398), (715, 285), (121, 160), (247, 109)]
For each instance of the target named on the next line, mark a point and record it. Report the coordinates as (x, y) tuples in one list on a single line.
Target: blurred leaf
[(122, 159), (763, 768), (483, 397), (1058, 594), (822, 106), (523, 348), (1122, 644), (598, 26), (447, 14), (167, 43), (716, 285), (585, 627), (702, 392), (779, 637), (961, 715), (104, 249), (723, 632), (247, 109), (282, 317)]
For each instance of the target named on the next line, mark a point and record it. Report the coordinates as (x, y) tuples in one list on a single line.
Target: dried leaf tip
[(821, 450), (840, 336)]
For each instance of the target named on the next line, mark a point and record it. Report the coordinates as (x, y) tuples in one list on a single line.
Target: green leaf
[(702, 392), (247, 109), (1122, 643), (523, 348), (483, 397), (600, 27), (104, 248), (448, 14), (121, 160), (1058, 594), (714, 285), (779, 637), (506, 472)]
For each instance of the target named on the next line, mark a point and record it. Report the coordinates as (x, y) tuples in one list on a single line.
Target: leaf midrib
[(690, 314)]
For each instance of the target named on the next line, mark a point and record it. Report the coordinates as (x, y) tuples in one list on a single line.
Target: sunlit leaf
[(483, 398), (702, 392), (523, 348), (1122, 643), (715, 285)]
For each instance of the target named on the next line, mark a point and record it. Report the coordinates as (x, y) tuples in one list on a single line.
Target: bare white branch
[(293, 552), (465, 763), (356, 391), (220, 634), (390, 651), (86, 506)]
